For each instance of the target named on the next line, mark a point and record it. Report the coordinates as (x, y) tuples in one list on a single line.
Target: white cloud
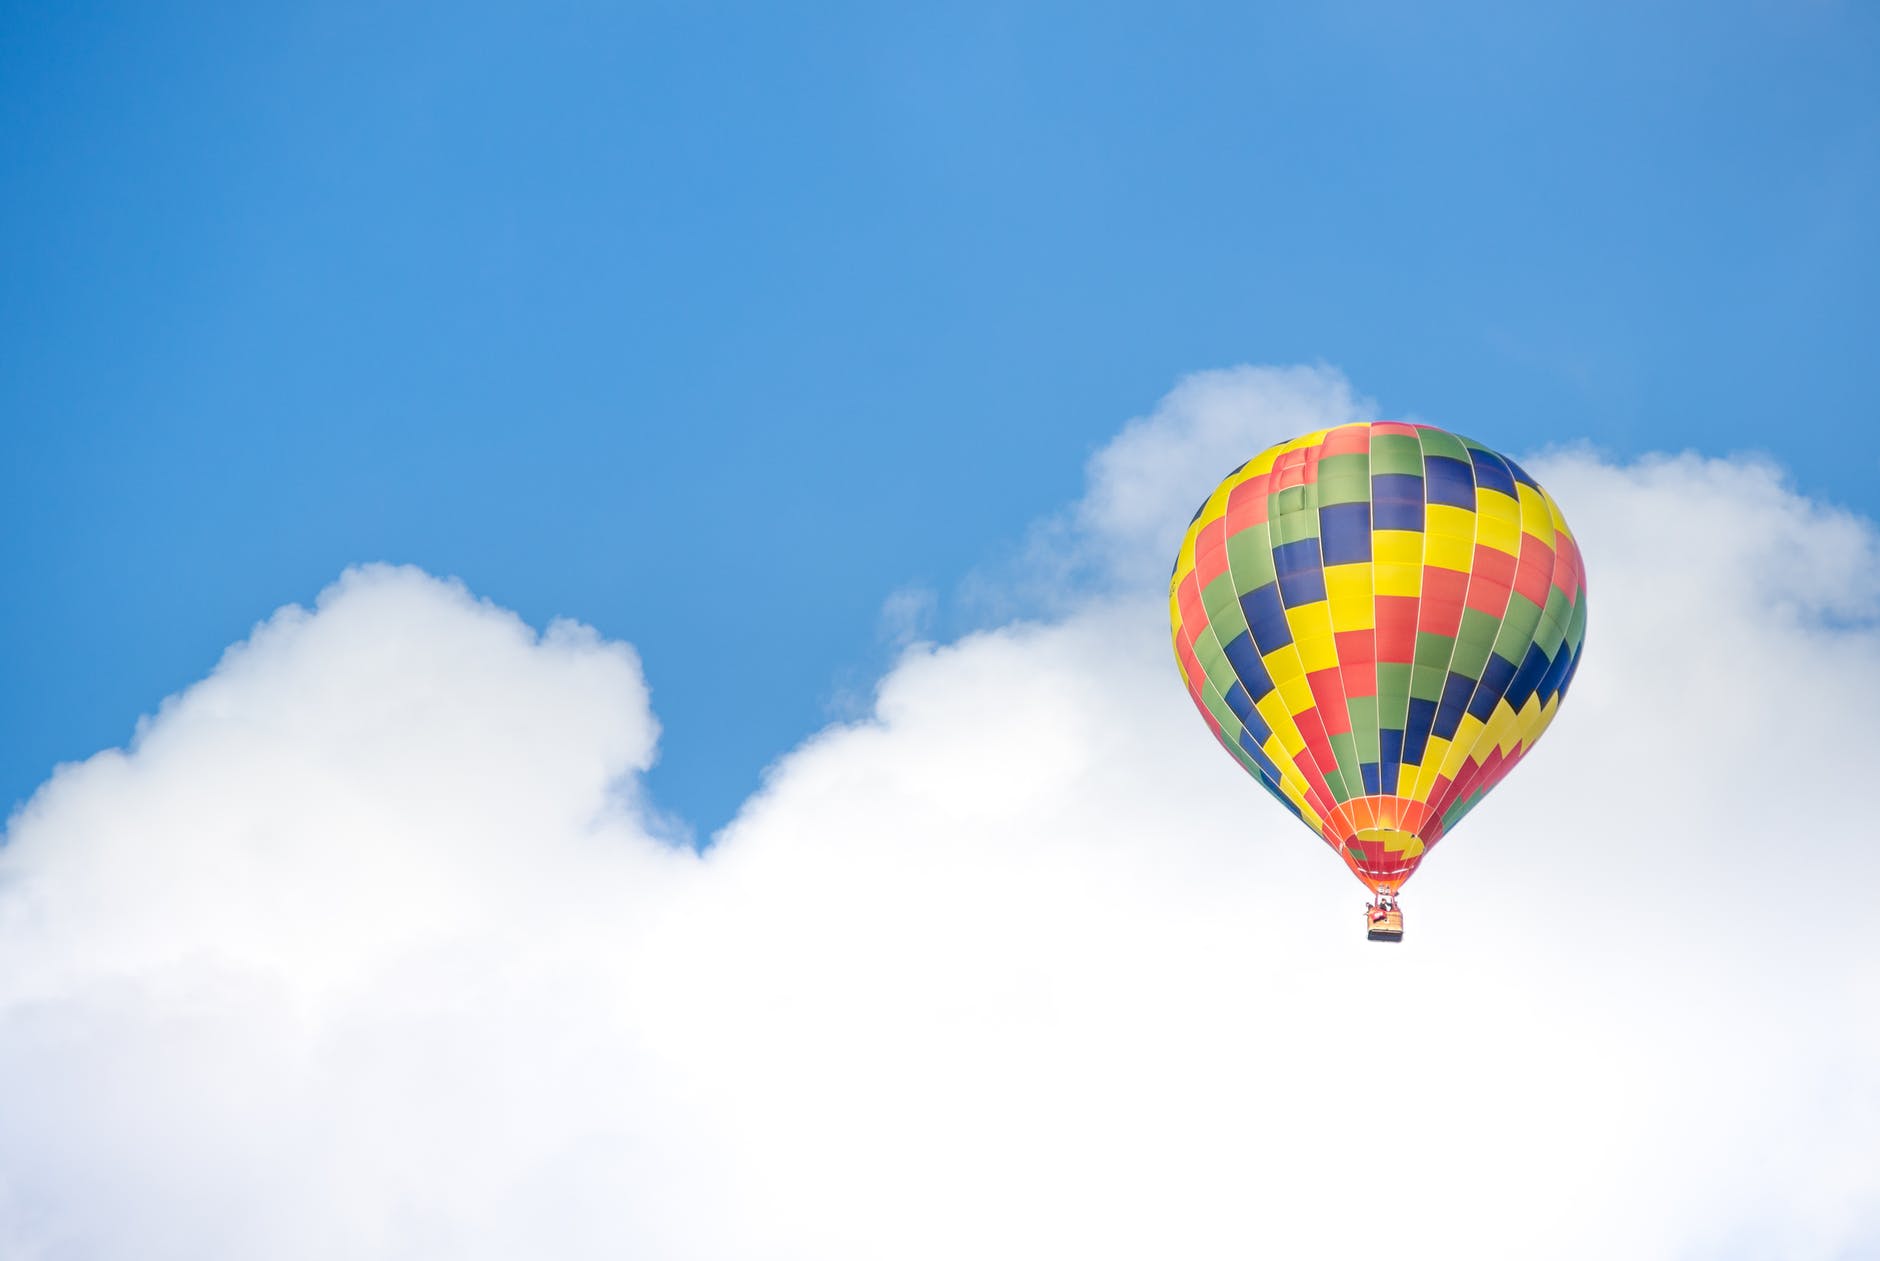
[(1147, 481), (365, 948), (1144, 484), (907, 615)]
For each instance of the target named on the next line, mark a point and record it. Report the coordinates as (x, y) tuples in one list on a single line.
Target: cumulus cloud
[(1147, 480), (368, 946)]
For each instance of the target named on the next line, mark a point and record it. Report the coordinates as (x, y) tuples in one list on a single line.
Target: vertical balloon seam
[(1419, 791), (1465, 796), (1205, 684), (1341, 606), (1577, 608), (1234, 483), (1363, 609), (1341, 696), (1191, 547), (1323, 794), (1315, 493), (1431, 829), (1459, 739), (1370, 521), (1309, 482), (1473, 771), (1333, 788), (1562, 540), (1386, 782), (1468, 762), (1426, 610), (1326, 799), (1423, 553), (1463, 737), (1457, 790), (1403, 791), (1207, 622)]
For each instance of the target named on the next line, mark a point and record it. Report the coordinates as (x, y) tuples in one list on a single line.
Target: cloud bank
[(368, 944)]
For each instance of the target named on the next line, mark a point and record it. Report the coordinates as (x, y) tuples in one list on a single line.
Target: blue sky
[(714, 326)]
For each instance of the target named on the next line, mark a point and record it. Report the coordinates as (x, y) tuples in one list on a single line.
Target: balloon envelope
[(1378, 621)]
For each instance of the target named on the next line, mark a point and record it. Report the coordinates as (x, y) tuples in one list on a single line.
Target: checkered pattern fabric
[(1378, 621)]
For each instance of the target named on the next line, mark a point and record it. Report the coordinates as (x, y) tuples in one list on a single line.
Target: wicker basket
[(1389, 928)]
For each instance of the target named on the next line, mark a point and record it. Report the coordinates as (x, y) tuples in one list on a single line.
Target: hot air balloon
[(1378, 621)]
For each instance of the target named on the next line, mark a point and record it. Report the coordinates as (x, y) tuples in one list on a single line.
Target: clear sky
[(715, 326)]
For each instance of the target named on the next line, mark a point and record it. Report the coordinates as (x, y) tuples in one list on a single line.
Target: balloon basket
[(1388, 927)]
